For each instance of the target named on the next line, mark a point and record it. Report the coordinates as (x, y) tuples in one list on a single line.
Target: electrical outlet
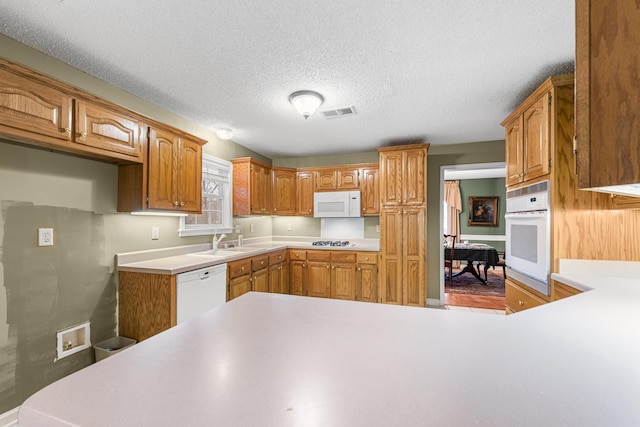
[(378, 228), (45, 236), (251, 228), (288, 227), (155, 233)]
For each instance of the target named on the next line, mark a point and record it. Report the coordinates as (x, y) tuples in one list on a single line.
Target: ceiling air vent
[(340, 112)]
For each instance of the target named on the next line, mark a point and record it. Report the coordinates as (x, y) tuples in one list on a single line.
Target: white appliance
[(336, 204), (200, 290), (528, 246)]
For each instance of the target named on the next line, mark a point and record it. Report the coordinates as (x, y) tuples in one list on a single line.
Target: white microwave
[(336, 204)]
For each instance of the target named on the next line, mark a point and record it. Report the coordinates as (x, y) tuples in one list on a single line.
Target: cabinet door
[(298, 277), (535, 123), (391, 256), (343, 281), (304, 193), (347, 179), (107, 130), (514, 152), (256, 194), (326, 180), (370, 192), (260, 280), (33, 111), (413, 268), (318, 279), (239, 286), (367, 282), (391, 178), (189, 176), (607, 101), (414, 181), (161, 166), (284, 191)]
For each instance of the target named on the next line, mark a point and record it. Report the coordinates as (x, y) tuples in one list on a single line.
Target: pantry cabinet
[(403, 172), (607, 103), (38, 110), (283, 191), (251, 187)]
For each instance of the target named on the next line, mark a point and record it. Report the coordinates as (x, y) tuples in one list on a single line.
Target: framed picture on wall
[(483, 211)]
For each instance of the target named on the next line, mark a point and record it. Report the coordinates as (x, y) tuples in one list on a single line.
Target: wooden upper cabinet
[(31, 110), (251, 187), (514, 152), (531, 130), (403, 175), (99, 127), (38, 110), (607, 101), (370, 186), (337, 179), (283, 191), (304, 193), (174, 172)]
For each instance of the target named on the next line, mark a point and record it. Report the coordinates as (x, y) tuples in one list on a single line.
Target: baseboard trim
[(9, 418), (433, 302)]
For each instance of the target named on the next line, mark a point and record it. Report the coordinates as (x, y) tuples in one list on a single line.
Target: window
[(216, 216)]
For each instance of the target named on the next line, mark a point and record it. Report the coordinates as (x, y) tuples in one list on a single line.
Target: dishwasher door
[(200, 290)]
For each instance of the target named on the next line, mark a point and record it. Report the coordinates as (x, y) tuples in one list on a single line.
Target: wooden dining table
[(473, 252)]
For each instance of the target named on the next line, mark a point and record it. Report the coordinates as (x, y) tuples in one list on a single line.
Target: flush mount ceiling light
[(306, 102), (224, 133)]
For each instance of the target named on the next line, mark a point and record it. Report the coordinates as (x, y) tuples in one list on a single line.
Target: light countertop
[(281, 360), (185, 258)]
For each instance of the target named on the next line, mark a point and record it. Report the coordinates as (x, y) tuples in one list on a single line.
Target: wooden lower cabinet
[(367, 277), (519, 298), (146, 304), (560, 290), (279, 273), (239, 281)]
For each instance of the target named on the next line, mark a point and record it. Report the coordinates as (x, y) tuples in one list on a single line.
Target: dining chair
[(501, 263), (450, 239)]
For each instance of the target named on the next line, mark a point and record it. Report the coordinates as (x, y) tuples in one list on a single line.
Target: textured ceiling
[(445, 71)]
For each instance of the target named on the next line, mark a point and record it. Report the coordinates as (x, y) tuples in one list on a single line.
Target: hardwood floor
[(477, 301)]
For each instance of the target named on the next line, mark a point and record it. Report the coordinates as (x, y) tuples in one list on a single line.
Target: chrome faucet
[(215, 243)]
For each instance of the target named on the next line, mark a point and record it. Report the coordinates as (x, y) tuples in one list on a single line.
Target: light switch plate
[(155, 233), (45, 236)]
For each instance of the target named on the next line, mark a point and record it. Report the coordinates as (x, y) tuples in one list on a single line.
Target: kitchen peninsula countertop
[(282, 360), (185, 258)]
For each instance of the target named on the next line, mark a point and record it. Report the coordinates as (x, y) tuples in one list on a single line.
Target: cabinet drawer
[(518, 299), (259, 262), (340, 256), (560, 290), (295, 254), (324, 256), (239, 268), (277, 257), (367, 257)]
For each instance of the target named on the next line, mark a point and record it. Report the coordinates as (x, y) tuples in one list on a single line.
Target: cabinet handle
[(181, 204), (261, 263), (275, 210), (176, 203), (297, 255), (67, 130), (309, 210), (83, 134), (359, 269), (251, 279), (366, 258), (242, 269), (520, 302), (327, 267)]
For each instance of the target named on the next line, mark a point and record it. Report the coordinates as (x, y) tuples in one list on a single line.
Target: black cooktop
[(330, 243)]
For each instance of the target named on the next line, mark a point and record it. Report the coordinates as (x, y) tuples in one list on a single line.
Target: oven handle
[(526, 215)]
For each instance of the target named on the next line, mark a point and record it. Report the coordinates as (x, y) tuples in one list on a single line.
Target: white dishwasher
[(200, 290)]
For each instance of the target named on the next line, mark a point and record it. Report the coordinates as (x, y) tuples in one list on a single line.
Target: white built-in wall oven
[(528, 246)]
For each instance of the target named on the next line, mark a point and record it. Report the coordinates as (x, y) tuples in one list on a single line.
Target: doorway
[(480, 180)]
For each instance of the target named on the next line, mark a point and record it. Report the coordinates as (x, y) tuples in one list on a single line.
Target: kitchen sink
[(236, 249), (221, 253), (212, 255)]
